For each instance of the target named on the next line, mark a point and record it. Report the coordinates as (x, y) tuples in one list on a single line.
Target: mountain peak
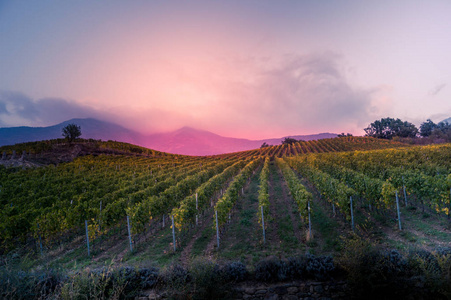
[(186, 130), (189, 129)]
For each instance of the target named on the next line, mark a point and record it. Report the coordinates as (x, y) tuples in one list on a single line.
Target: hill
[(91, 129), (185, 141), (123, 198)]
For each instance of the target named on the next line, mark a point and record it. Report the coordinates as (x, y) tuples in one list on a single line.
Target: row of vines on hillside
[(376, 176), (301, 196), (51, 200), (225, 204)]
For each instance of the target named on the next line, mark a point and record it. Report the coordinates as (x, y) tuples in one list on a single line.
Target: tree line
[(388, 128)]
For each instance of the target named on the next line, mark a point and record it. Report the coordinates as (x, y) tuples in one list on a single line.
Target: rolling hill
[(186, 140)]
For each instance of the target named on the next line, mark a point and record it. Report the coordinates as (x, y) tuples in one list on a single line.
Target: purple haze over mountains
[(185, 140)]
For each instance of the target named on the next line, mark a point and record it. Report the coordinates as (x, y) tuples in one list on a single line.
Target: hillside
[(127, 197), (185, 141)]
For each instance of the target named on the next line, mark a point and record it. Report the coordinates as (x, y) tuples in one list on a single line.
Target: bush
[(17, 284), (391, 264), (175, 277), (434, 268), (319, 268), (148, 277), (296, 267), (207, 280), (96, 284), (234, 272), (311, 267), (271, 269), (106, 283)]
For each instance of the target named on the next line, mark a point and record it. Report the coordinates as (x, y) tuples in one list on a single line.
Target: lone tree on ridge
[(289, 140), (71, 132)]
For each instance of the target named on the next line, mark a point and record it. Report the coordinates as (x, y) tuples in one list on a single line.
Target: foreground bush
[(387, 274), (370, 274), (18, 284), (300, 267)]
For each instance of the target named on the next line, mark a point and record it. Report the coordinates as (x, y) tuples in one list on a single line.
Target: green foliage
[(54, 200), (186, 213), (227, 201), (71, 132), (332, 189), (299, 193), (263, 192), (340, 135), (376, 175), (387, 128), (289, 141), (441, 130), (427, 127), (388, 193)]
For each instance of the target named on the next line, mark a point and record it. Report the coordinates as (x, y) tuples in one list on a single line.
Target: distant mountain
[(192, 141), (185, 140), (446, 121), (90, 128)]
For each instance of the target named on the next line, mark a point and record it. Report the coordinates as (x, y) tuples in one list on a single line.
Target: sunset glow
[(250, 69)]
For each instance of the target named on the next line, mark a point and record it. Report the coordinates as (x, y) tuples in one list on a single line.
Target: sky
[(249, 69)]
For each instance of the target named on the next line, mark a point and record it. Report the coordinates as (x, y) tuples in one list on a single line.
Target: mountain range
[(186, 140)]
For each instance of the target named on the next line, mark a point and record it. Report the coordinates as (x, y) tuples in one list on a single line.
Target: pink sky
[(253, 69)]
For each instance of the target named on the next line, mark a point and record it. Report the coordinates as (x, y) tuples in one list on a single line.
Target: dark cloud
[(19, 109), (17, 104), (437, 89), (3, 108)]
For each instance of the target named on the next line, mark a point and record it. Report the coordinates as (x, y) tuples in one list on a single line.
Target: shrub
[(310, 267), (106, 283), (271, 269), (319, 268), (148, 277), (234, 272), (296, 267), (18, 284), (434, 268), (207, 280), (175, 277)]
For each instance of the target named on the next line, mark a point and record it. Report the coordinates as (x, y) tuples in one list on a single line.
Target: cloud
[(437, 89), (3, 108), (296, 94), (17, 109), (254, 97)]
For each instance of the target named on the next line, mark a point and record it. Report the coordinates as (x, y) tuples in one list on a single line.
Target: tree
[(71, 132), (344, 135), (289, 140), (264, 145), (387, 128), (442, 131), (427, 127)]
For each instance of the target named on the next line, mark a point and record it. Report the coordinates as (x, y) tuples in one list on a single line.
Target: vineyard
[(119, 202)]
